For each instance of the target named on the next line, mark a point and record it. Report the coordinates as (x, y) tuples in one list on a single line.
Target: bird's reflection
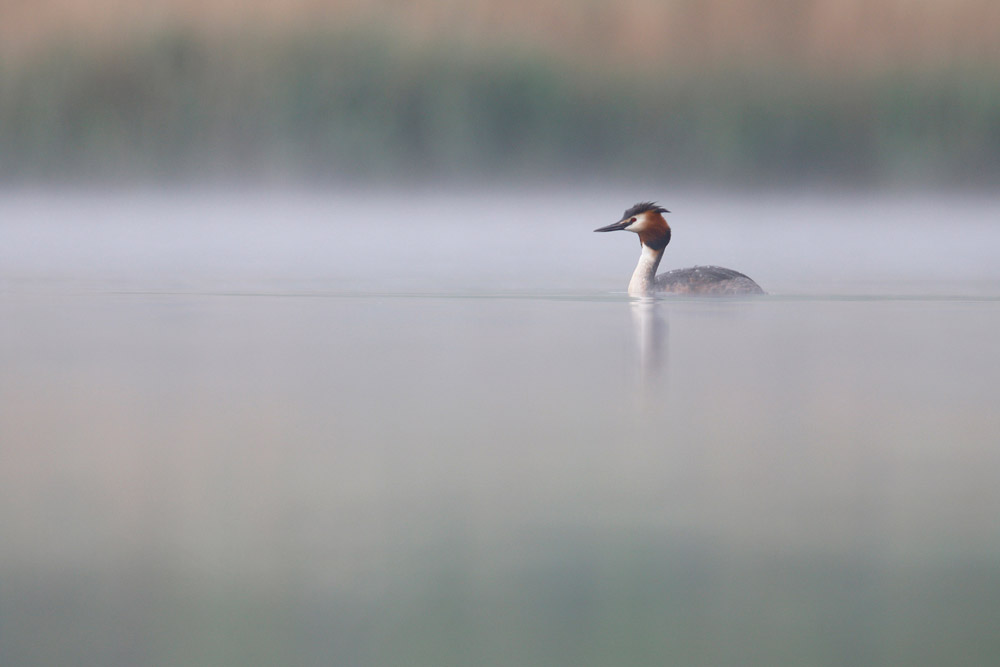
[(651, 338)]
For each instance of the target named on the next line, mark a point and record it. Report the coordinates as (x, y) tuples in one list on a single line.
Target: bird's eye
[(632, 220)]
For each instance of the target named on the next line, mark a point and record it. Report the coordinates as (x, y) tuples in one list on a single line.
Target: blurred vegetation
[(328, 106)]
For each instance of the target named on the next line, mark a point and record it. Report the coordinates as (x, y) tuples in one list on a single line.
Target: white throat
[(645, 271)]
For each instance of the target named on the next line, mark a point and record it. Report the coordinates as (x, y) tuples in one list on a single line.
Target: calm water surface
[(320, 429)]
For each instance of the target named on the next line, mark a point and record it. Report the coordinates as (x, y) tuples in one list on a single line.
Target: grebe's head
[(645, 219)]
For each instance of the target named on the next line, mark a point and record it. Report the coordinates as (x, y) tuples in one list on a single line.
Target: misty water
[(430, 428)]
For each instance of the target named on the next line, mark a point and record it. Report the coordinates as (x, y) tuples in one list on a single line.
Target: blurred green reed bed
[(330, 106)]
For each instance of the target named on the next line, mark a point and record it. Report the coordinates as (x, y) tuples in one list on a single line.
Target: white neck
[(645, 271)]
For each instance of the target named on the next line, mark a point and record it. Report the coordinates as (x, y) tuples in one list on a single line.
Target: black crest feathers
[(643, 207)]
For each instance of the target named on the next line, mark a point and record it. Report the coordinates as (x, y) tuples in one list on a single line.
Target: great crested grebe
[(646, 220)]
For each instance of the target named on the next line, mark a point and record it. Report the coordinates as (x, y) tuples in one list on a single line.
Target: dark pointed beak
[(621, 224)]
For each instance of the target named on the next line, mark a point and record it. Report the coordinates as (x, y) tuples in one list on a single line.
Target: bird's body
[(646, 220), (706, 280)]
